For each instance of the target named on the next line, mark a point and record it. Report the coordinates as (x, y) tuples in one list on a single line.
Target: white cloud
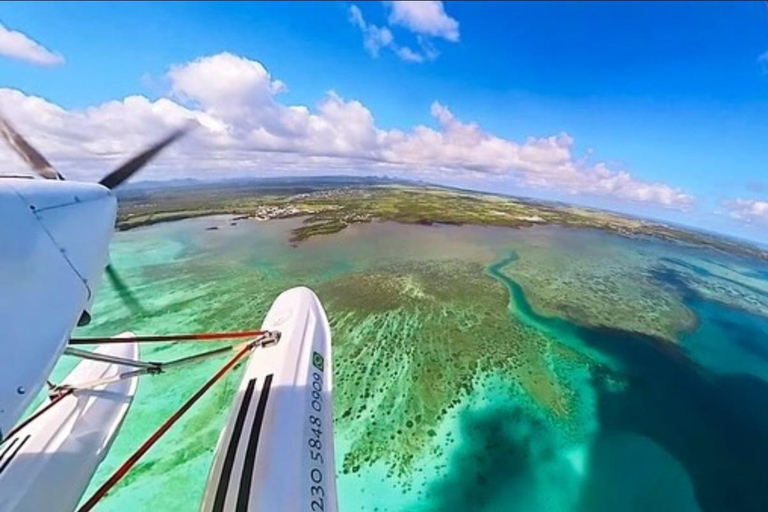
[(427, 47), (230, 84), (762, 59), (374, 38), (356, 17), (409, 55), (16, 45), (427, 18), (244, 127), (747, 210)]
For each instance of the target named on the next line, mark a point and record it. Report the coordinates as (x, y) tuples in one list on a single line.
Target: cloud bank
[(245, 127), (751, 211), (16, 45)]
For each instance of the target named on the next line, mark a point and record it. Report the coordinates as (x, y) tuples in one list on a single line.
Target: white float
[(47, 465), (276, 450)]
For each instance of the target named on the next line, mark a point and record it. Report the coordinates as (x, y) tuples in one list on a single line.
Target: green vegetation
[(329, 211), (313, 227)]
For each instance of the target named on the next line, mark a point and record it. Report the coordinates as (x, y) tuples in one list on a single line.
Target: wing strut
[(57, 393), (134, 458)]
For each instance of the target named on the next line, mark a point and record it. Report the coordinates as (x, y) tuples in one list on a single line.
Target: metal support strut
[(144, 448), (206, 336), (59, 392), (104, 358), (265, 339)]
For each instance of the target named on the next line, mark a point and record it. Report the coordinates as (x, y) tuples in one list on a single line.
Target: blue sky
[(663, 106)]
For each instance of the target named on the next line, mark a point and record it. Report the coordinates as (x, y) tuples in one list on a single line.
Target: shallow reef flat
[(732, 281), (412, 339), (476, 368), (593, 279)]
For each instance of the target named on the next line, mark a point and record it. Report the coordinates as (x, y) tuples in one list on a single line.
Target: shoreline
[(313, 228)]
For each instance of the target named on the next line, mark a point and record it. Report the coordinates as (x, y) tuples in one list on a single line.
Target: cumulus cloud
[(409, 55), (224, 85), (16, 45), (427, 18), (374, 38), (762, 61), (244, 127), (751, 211)]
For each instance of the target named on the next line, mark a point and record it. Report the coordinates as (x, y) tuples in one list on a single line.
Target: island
[(329, 205)]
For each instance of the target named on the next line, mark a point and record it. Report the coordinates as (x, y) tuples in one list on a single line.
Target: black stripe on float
[(11, 456), (8, 447), (250, 451), (229, 458)]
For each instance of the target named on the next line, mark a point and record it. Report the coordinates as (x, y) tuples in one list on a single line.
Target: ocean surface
[(485, 369)]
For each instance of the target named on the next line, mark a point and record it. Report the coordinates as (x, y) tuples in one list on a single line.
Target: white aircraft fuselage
[(54, 241)]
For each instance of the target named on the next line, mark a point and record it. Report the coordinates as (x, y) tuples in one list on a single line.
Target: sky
[(653, 109)]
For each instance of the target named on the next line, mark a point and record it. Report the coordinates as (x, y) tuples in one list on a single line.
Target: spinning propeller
[(114, 179)]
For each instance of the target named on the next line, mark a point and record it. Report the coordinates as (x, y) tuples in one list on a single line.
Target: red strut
[(133, 459)]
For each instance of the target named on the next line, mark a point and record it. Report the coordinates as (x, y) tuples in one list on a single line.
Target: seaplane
[(275, 452)]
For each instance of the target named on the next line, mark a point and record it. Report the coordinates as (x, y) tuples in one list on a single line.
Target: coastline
[(330, 211)]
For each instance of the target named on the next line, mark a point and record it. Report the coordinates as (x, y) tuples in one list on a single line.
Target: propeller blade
[(129, 168), (28, 153), (124, 292)]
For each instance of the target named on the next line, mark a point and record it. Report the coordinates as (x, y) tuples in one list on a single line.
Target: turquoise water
[(563, 331), (679, 433), (646, 425)]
